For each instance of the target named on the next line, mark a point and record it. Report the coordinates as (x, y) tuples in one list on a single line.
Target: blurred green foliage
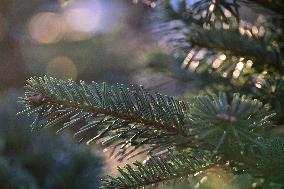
[(41, 160)]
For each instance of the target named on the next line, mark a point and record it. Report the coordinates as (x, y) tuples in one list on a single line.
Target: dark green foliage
[(272, 92), (41, 160), (14, 176)]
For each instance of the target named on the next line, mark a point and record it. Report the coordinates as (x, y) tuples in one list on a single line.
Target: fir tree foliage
[(120, 115), (160, 170), (183, 138), (251, 42), (218, 121), (246, 53), (215, 10), (186, 138)]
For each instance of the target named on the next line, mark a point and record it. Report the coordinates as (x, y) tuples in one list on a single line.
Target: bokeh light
[(227, 13), (261, 31), (188, 58), (236, 74), (222, 57), (241, 30), (81, 19), (200, 54), (78, 20), (225, 74), (46, 27), (249, 64), (211, 7), (254, 30), (217, 63), (248, 33), (240, 66), (194, 65), (258, 85), (62, 67)]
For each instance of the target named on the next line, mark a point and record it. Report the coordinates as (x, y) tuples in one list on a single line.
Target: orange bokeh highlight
[(62, 67), (46, 27)]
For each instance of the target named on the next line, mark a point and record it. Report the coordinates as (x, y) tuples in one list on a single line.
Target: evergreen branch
[(202, 60), (212, 52), (159, 170), (270, 163), (116, 113), (257, 50), (238, 129), (269, 89), (212, 10), (244, 46), (229, 126)]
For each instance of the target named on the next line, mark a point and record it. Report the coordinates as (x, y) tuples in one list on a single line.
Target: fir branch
[(202, 60), (259, 51), (216, 10), (244, 46), (229, 126), (160, 170), (116, 114)]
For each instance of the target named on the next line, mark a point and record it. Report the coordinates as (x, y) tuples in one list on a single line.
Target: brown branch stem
[(120, 115)]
